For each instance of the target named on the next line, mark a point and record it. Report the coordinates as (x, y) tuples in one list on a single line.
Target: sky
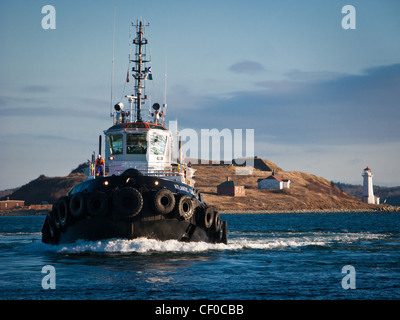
[(320, 98)]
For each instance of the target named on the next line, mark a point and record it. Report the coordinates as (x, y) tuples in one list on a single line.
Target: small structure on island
[(11, 204), (368, 190), (273, 182), (228, 188), (256, 163)]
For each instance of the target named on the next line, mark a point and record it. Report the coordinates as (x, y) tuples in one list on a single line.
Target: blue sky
[(320, 98)]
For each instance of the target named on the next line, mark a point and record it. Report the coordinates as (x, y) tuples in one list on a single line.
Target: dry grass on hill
[(307, 192)]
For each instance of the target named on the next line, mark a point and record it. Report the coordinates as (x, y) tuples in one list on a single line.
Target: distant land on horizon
[(390, 194), (307, 192)]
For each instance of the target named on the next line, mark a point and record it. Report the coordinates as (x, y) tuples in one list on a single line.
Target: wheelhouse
[(147, 147)]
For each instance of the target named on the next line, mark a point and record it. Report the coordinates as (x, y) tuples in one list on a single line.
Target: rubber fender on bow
[(97, 204), (54, 215), (185, 207), (50, 225), (63, 211), (163, 201), (132, 172), (217, 222), (224, 228), (127, 202), (208, 217), (50, 233), (77, 205)]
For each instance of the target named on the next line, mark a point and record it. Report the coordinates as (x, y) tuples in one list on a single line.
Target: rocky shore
[(307, 193), (390, 209), (333, 210), (23, 213)]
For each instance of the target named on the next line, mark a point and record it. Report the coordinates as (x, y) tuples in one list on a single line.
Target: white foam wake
[(139, 245), (144, 245)]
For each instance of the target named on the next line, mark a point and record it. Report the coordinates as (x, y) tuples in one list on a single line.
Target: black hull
[(132, 206)]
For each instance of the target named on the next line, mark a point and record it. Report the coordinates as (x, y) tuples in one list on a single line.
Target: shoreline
[(23, 213), (299, 211), (373, 210)]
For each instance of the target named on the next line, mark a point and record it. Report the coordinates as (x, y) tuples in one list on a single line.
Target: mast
[(164, 110), (112, 68), (140, 72)]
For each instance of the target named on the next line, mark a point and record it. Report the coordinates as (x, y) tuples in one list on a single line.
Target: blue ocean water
[(269, 256)]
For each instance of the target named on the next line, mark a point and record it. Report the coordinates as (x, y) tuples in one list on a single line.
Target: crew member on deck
[(156, 117), (99, 166)]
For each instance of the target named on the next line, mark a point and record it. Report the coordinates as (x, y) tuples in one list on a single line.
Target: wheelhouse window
[(158, 143), (136, 143), (115, 143)]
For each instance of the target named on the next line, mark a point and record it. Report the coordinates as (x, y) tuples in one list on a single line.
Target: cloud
[(50, 112), (314, 76), (38, 107), (249, 67), (337, 162), (339, 109), (32, 140), (36, 89)]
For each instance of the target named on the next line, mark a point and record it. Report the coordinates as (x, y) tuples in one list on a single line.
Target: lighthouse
[(368, 192)]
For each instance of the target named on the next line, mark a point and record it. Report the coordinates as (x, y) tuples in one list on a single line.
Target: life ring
[(77, 205), (208, 217), (97, 204), (164, 201), (63, 211), (127, 202), (185, 207), (217, 222)]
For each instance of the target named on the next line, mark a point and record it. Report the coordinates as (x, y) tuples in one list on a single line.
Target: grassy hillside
[(307, 191), (47, 189)]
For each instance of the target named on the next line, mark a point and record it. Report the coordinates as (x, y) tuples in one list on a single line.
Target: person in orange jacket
[(99, 166)]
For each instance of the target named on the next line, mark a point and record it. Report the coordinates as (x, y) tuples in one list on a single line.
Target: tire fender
[(185, 207), (77, 205), (127, 202), (63, 211), (163, 201), (97, 204), (208, 217)]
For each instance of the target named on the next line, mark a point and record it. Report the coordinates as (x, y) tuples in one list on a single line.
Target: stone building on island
[(273, 182), (229, 188)]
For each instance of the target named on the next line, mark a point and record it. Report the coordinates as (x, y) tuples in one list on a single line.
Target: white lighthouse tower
[(368, 192)]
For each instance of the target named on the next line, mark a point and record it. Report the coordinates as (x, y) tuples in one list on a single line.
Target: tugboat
[(137, 189)]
